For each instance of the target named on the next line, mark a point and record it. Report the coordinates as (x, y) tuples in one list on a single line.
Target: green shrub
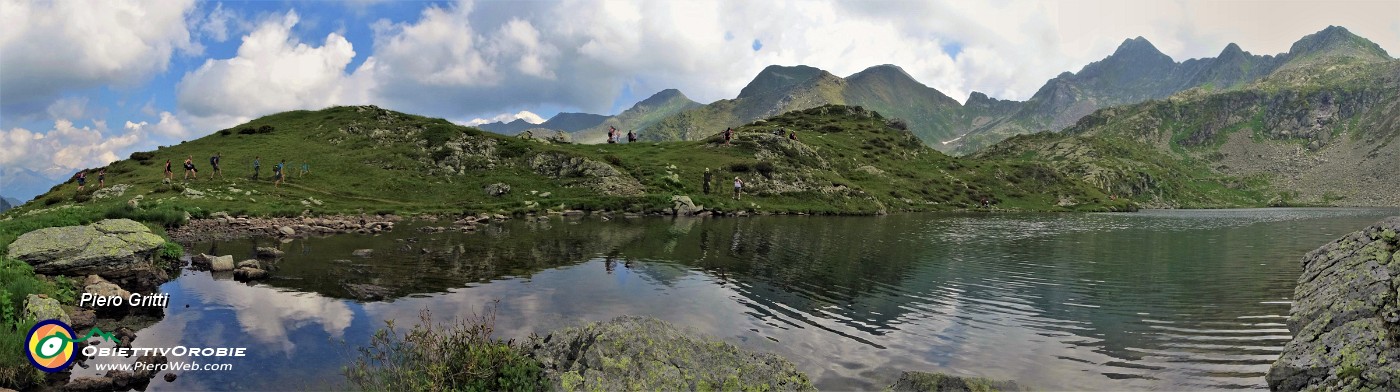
[(441, 153), (143, 155), (51, 200), (164, 216), (225, 132), (82, 197), (247, 131), (440, 134), (513, 149), (17, 282), (614, 160), (458, 356), (765, 168), (740, 167), (266, 129)]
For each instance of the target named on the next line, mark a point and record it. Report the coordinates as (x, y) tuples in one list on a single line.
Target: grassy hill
[(367, 159), (639, 117)]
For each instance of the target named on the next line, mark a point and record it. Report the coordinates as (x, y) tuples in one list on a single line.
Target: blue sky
[(83, 83)]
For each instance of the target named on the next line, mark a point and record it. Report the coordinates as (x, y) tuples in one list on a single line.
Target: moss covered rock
[(1345, 316), (939, 382), (117, 249), (635, 353)]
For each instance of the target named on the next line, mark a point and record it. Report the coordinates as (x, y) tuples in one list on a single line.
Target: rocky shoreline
[(1345, 318)]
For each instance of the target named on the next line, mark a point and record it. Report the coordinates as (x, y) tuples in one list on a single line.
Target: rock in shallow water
[(1345, 317), (938, 382), (634, 353)]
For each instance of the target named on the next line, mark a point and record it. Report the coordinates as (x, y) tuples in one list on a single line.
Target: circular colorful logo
[(50, 345)]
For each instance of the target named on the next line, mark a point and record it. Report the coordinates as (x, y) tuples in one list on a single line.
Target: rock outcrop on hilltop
[(1345, 317)]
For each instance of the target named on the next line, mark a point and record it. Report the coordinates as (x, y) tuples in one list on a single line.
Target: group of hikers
[(82, 178), (738, 184), (614, 135), (191, 172)]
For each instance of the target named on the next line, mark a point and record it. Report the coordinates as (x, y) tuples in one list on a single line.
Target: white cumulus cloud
[(54, 46), (272, 72), (508, 117)]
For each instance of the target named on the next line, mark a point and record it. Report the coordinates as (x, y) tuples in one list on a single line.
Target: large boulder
[(222, 263), (635, 353), (45, 308), (939, 382), (112, 248), (1345, 318), (683, 206)]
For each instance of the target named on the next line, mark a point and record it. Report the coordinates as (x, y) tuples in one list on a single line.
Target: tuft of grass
[(461, 355)]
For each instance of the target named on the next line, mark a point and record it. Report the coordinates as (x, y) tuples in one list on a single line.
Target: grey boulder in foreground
[(1345, 318)]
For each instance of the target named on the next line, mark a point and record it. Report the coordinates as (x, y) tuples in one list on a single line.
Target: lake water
[(1148, 300)]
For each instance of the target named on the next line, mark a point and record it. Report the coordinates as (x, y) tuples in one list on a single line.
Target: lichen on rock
[(112, 248), (636, 353), (1345, 316)]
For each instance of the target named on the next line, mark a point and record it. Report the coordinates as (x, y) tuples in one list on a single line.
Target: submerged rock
[(635, 353), (246, 274), (112, 248), (269, 252), (939, 382), (1345, 317)]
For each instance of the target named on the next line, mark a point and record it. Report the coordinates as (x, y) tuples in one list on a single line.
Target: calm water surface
[(1149, 300)]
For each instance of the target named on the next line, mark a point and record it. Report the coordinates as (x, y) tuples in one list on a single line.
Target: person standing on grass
[(707, 180), (305, 169), (257, 166), (214, 162), (82, 179), (189, 168), (738, 188), (631, 136), (277, 173), (169, 174), (728, 134), (102, 178)]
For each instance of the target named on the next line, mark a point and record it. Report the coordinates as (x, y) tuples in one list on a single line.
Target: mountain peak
[(1231, 50), (1137, 47), (663, 96), (1337, 41), (778, 76), (888, 70)]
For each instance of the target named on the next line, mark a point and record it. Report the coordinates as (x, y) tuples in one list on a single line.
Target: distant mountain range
[(21, 184), (1134, 73), (1316, 126)]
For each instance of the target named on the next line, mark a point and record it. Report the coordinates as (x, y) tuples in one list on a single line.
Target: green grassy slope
[(366, 159)]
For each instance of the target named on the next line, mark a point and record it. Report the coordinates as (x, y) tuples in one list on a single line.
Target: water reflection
[(1164, 300)]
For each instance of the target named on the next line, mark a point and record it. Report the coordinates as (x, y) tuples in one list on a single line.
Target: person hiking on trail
[(305, 169), (792, 135), (82, 179), (985, 202), (257, 164), (102, 178), (214, 162), (738, 188), (277, 175), (189, 168), (707, 181), (612, 135), (169, 174), (631, 136)]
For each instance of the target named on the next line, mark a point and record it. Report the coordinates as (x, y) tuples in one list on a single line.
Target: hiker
[(277, 173), (214, 162), (305, 169), (102, 178), (792, 135), (612, 135), (728, 134), (82, 179), (169, 174), (706, 181), (778, 132), (190, 171), (257, 164), (631, 136), (986, 203), (738, 188)]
